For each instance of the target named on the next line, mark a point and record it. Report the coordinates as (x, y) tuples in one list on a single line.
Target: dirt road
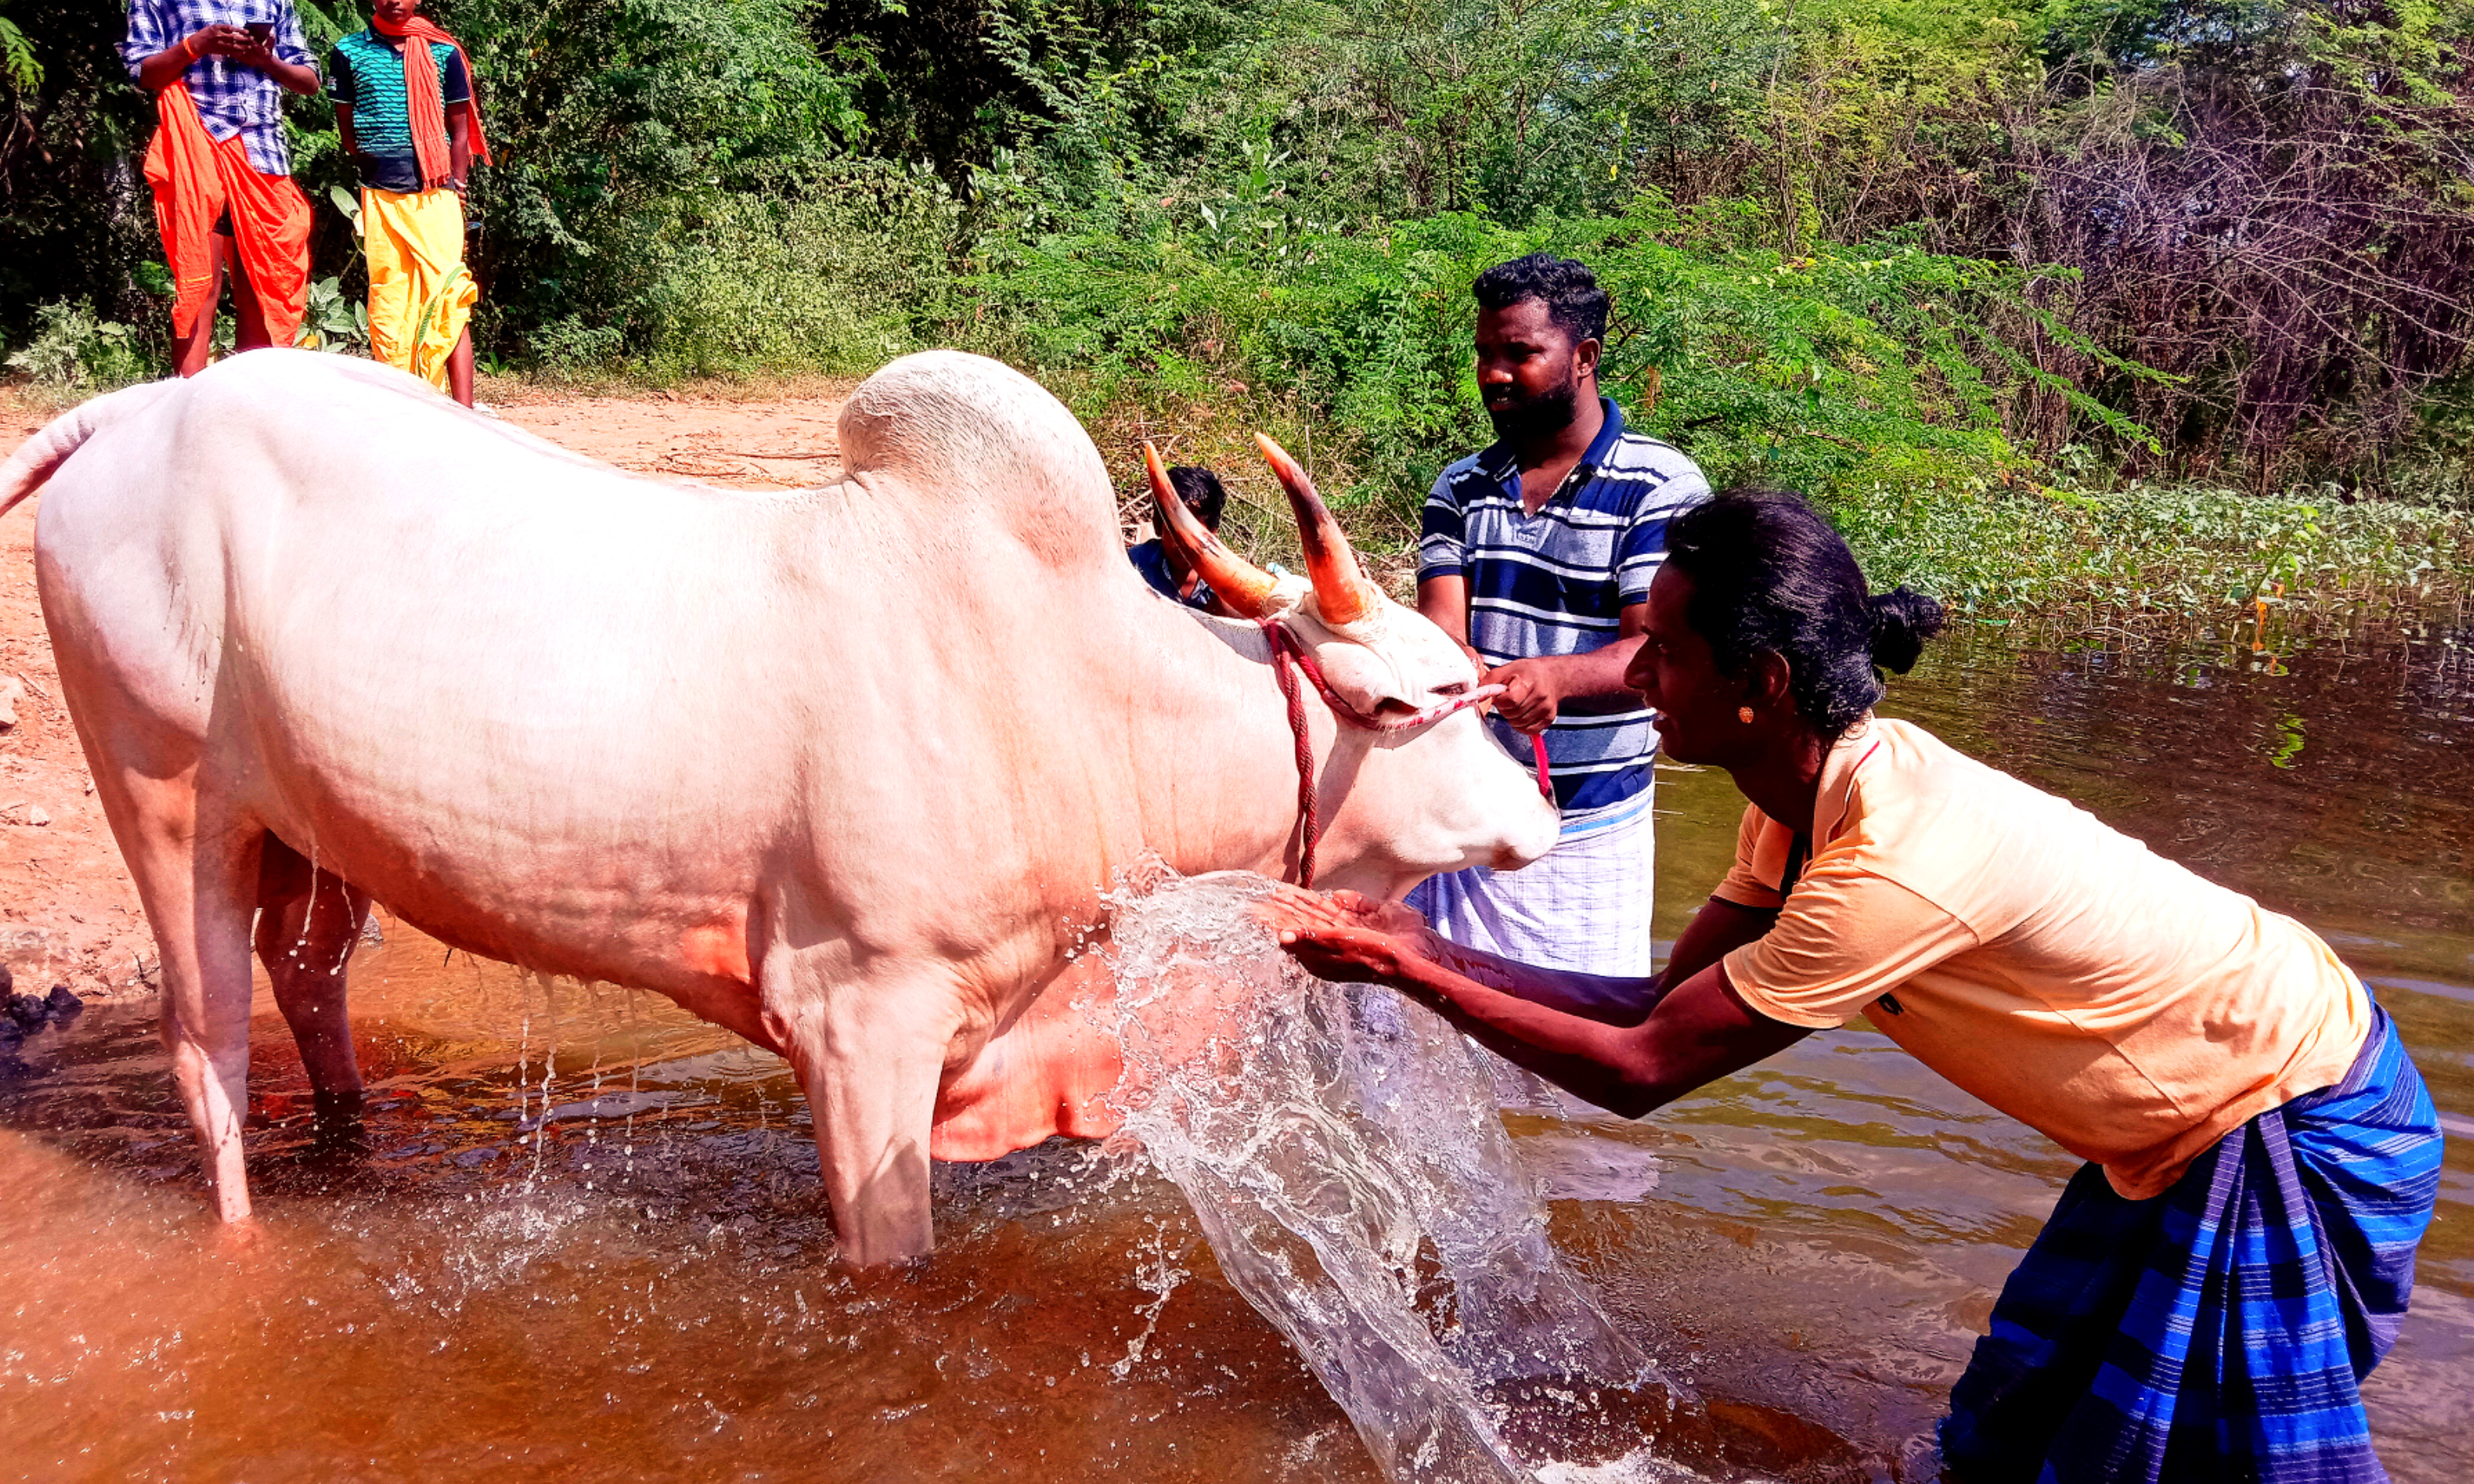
[(69, 914)]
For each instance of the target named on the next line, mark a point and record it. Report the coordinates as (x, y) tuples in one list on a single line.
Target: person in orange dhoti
[(221, 175), (405, 102)]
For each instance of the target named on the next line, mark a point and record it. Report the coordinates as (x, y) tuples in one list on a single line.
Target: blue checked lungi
[(2221, 1330), (1582, 905)]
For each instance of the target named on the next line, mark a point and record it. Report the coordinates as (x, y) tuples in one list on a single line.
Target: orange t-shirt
[(2102, 995)]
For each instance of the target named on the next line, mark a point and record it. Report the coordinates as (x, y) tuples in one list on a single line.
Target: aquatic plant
[(1995, 550)]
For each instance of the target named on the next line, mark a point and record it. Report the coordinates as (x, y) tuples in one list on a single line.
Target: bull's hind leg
[(869, 1054), (196, 870), (308, 922)]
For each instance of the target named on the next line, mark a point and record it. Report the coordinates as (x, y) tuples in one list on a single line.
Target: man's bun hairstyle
[(1568, 289), (1903, 619), (1769, 575)]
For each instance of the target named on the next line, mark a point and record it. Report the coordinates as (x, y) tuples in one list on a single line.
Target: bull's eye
[(1452, 689)]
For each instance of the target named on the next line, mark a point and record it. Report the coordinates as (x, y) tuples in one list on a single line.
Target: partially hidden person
[(1537, 554), (1162, 564), (408, 107), (219, 168), (2262, 1158)]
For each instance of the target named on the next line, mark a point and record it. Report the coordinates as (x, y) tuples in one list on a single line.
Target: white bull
[(844, 770)]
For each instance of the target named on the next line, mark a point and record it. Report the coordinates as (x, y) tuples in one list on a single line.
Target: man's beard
[(1536, 417)]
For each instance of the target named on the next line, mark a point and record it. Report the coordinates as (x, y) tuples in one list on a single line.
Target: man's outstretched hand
[(1349, 938)]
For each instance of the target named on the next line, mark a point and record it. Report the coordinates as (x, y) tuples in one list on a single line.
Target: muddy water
[(636, 1285)]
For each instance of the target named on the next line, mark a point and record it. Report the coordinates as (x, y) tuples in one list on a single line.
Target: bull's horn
[(1342, 592), (1243, 587)]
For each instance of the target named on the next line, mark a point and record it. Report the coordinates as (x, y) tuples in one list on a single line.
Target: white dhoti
[(1583, 906)]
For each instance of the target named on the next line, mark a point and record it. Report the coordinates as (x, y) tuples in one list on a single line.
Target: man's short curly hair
[(1202, 492), (1568, 289)]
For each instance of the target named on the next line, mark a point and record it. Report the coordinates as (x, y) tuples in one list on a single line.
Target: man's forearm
[(165, 67), (1577, 1053), (1608, 999), (1696, 1033), (1604, 998), (1595, 681), (292, 76)]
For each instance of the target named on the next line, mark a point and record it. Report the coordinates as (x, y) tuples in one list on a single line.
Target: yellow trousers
[(421, 296)]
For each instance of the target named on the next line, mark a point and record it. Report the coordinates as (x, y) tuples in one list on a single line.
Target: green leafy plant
[(334, 321), (20, 69), (74, 350), (1823, 372)]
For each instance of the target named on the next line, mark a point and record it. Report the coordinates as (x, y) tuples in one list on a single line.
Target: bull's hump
[(980, 440)]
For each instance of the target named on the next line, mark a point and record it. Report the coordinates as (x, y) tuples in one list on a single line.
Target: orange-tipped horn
[(1342, 592), (1243, 587)]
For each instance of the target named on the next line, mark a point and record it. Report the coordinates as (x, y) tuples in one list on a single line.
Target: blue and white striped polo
[(1557, 583)]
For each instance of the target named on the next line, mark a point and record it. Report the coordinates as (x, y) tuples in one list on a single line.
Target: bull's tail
[(40, 456)]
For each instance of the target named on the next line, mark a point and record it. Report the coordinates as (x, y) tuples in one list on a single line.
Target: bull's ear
[(1341, 593)]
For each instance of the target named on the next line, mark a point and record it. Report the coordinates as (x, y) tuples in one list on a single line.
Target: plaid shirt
[(231, 98), (1557, 583)]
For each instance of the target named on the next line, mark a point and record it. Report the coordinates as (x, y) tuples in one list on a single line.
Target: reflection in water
[(639, 1284)]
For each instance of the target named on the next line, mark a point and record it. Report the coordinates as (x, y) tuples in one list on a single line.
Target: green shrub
[(74, 350), (835, 280), (1830, 372)]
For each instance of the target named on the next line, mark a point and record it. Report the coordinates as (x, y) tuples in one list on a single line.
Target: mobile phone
[(262, 31)]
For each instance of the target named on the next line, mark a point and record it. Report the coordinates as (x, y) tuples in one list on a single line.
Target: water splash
[(1343, 1153)]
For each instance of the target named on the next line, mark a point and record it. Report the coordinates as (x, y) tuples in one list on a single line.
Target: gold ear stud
[(1744, 714)]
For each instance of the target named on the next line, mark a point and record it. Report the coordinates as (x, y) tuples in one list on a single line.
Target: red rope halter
[(1290, 656)]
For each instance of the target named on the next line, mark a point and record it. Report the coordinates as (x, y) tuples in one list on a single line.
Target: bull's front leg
[(869, 1050)]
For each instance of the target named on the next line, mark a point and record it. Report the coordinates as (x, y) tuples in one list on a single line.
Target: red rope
[(1309, 807), (1288, 657)]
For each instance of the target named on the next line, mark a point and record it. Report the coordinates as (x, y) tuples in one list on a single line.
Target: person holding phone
[(221, 173), (404, 102)]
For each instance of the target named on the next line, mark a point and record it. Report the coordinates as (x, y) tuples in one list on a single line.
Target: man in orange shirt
[(2263, 1158)]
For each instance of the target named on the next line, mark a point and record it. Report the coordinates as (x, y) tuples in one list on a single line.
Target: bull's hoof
[(335, 1126)]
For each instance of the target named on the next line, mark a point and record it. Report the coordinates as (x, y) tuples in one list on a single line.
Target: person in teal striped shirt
[(404, 104)]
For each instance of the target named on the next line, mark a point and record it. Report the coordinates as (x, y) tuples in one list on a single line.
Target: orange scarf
[(420, 97)]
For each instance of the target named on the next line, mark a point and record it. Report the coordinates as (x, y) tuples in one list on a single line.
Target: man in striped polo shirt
[(1537, 554)]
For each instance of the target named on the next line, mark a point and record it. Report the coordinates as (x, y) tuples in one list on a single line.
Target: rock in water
[(28, 1012), (8, 981), (63, 1004)]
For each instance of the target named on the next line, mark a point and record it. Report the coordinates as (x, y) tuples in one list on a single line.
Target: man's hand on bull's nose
[(1530, 698)]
